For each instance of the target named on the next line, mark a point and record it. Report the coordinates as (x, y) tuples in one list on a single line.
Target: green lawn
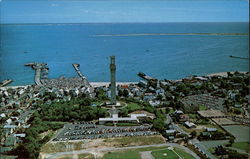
[(242, 145), (202, 107), (133, 106), (192, 116), (86, 156), (129, 154), (183, 154), (169, 154), (164, 154), (171, 111), (122, 155), (137, 140)]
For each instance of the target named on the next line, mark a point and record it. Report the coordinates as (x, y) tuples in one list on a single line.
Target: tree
[(123, 112), (220, 150), (159, 124), (159, 97), (167, 110), (231, 141), (85, 102), (193, 134), (229, 74), (120, 93), (125, 93)]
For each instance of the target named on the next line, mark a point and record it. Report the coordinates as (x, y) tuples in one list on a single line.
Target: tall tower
[(112, 78)]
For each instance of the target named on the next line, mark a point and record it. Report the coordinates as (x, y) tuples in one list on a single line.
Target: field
[(242, 145), (157, 152), (241, 133), (170, 154), (132, 153), (53, 147), (161, 152), (136, 140)]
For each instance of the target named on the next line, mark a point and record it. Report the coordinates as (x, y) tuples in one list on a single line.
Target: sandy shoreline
[(99, 84)]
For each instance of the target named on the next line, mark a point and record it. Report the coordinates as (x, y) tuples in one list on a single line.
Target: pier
[(85, 81), (145, 77), (41, 70), (76, 67)]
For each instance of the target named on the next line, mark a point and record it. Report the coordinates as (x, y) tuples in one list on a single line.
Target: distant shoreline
[(100, 84), (224, 74), (169, 34), (77, 23)]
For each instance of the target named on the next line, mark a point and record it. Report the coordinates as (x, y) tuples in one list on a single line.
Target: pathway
[(146, 155)]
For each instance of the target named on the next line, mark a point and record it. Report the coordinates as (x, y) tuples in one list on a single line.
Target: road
[(168, 119), (94, 150), (196, 142), (179, 129), (202, 148)]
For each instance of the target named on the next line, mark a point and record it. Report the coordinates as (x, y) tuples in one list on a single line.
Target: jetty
[(76, 67), (144, 76), (5, 82)]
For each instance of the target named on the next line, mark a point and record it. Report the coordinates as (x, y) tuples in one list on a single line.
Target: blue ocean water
[(164, 57)]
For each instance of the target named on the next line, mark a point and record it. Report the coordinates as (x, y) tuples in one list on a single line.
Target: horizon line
[(116, 23)]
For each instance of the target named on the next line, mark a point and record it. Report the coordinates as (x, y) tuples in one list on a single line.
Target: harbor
[(41, 79)]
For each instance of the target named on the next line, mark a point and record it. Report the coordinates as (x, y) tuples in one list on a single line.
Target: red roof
[(124, 86)]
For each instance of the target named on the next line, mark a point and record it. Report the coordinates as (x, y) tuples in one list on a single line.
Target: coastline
[(224, 74), (100, 84)]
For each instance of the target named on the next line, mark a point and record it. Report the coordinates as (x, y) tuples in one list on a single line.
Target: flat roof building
[(115, 118)]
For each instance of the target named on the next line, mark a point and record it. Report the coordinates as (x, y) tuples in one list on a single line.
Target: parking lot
[(89, 130)]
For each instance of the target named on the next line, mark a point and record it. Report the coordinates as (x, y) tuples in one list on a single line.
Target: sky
[(119, 11)]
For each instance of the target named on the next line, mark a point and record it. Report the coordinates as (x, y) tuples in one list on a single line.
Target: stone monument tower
[(113, 80)]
